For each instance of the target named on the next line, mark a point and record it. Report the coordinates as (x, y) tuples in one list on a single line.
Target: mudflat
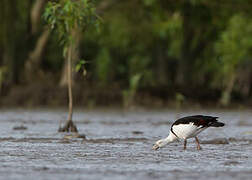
[(118, 145)]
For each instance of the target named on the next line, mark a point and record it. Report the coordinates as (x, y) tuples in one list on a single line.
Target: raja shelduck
[(188, 127)]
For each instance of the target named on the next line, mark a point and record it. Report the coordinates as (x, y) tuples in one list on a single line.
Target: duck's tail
[(217, 124)]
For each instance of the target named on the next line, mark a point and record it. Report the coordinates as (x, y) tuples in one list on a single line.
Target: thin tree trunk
[(36, 14), (35, 55), (34, 59), (75, 56), (225, 98), (69, 126), (69, 77), (63, 78)]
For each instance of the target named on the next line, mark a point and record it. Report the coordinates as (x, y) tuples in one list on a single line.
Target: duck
[(188, 127)]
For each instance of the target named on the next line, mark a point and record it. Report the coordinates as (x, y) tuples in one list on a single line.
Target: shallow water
[(118, 146)]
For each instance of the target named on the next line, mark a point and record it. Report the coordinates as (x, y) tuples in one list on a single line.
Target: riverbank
[(86, 95)]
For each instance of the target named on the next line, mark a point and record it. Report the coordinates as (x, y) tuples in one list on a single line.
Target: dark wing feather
[(198, 120)]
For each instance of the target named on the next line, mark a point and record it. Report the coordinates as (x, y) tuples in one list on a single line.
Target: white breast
[(185, 131)]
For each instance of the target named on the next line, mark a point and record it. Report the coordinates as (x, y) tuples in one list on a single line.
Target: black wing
[(198, 120)]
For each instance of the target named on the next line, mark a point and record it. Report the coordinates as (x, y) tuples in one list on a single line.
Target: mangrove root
[(68, 127)]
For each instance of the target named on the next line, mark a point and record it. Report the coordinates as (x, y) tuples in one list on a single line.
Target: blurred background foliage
[(145, 52)]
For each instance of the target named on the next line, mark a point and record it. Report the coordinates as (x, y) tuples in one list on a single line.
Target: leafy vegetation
[(66, 16), (198, 49)]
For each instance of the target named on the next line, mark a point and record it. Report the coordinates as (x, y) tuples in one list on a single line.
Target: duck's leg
[(198, 144), (185, 144)]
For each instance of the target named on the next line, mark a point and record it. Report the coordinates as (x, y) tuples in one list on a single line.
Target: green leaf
[(77, 67), (65, 51)]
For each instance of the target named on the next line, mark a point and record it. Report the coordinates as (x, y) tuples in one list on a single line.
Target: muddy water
[(118, 146)]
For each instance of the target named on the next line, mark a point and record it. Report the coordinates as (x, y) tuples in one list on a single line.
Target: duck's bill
[(155, 147)]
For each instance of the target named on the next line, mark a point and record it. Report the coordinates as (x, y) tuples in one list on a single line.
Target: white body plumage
[(188, 127), (185, 131)]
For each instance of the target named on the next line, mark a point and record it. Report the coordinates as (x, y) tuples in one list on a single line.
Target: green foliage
[(116, 33), (3, 72), (140, 64), (134, 82), (129, 95), (81, 66), (173, 28), (179, 99), (234, 47), (65, 15), (176, 46), (103, 66), (148, 2)]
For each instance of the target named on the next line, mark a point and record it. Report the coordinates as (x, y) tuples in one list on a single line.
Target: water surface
[(118, 146)]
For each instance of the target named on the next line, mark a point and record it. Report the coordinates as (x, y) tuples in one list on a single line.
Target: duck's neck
[(169, 138)]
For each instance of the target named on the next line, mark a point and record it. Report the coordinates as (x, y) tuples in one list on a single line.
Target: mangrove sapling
[(69, 126), (65, 16)]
